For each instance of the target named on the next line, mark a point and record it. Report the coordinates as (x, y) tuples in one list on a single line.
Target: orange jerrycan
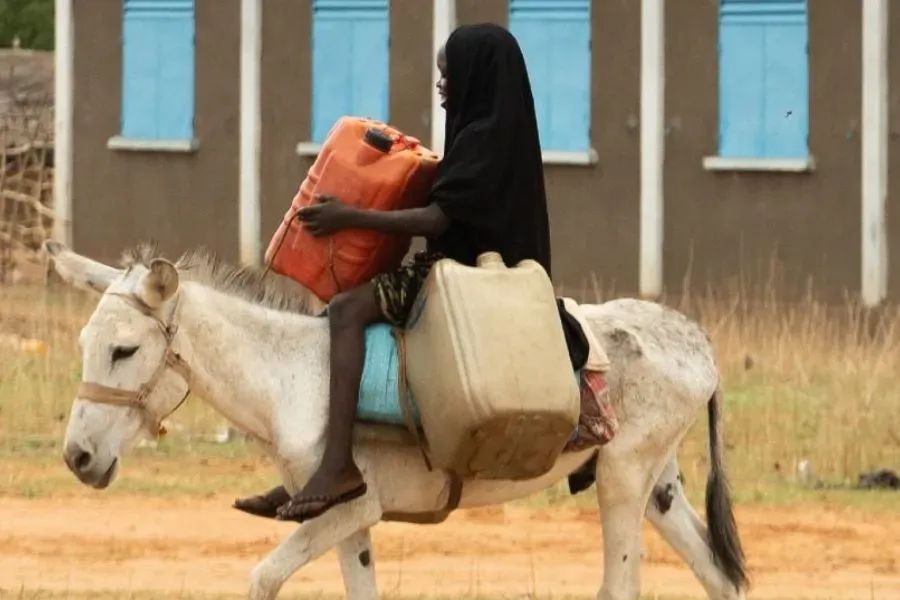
[(367, 164)]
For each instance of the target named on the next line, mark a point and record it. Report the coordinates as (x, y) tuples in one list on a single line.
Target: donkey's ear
[(158, 284), (79, 271)]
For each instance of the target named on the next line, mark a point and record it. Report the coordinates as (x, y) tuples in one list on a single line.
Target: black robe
[(490, 182)]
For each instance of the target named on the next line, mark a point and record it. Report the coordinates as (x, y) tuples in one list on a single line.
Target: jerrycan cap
[(378, 139)]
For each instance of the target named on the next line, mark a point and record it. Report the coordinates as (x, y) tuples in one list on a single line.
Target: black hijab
[(490, 182)]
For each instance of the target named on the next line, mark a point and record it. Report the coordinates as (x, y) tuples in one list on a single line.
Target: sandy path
[(202, 545)]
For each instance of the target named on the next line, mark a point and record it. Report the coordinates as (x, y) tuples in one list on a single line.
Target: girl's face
[(442, 82)]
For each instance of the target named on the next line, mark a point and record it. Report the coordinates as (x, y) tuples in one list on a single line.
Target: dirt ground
[(133, 544)]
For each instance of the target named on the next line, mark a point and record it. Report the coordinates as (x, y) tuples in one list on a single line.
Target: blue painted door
[(158, 69), (555, 36), (350, 58), (763, 79)]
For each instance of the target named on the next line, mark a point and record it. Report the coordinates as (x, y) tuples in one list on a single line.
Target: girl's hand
[(326, 217)]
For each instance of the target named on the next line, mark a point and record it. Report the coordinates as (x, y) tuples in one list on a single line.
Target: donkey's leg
[(358, 565), (312, 539), (623, 486), (678, 523)]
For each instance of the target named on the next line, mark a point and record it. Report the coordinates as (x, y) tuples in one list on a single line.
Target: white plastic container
[(488, 367)]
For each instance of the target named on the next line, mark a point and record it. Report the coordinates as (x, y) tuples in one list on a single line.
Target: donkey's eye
[(123, 352)]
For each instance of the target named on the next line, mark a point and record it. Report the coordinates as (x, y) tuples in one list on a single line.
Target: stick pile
[(26, 167)]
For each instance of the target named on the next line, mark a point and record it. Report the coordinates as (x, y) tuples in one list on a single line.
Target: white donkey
[(254, 349)]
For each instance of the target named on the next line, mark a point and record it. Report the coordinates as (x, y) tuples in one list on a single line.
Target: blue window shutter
[(763, 79), (741, 88), (350, 62), (555, 36), (787, 93), (158, 69)]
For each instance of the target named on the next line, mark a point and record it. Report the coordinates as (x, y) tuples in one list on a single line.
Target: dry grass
[(805, 381), (802, 383)]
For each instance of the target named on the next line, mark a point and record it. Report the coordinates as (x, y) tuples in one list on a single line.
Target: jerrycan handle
[(490, 260), (378, 139)]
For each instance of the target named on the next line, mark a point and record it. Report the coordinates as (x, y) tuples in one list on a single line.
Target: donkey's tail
[(723, 535)]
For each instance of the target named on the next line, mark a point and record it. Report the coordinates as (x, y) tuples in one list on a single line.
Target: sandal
[(265, 505), (298, 509)]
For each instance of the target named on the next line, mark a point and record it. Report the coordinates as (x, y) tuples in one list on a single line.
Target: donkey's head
[(131, 376)]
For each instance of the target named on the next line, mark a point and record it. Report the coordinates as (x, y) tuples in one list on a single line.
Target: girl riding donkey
[(488, 196)]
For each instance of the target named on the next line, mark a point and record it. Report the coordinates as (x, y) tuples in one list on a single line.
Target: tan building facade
[(746, 177)]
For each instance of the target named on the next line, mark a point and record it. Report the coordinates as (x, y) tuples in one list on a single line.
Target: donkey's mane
[(256, 285)]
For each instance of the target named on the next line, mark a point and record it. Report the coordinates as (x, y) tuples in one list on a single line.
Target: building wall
[(719, 226), (179, 199), (285, 80), (594, 209), (793, 231)]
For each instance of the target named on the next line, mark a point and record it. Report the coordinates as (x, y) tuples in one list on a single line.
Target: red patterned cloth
[(597, 424)]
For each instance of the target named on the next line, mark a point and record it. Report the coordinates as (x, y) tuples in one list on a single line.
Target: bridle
[(102, 394)]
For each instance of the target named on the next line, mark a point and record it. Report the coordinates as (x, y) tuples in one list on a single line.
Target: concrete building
[(706, 140)]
